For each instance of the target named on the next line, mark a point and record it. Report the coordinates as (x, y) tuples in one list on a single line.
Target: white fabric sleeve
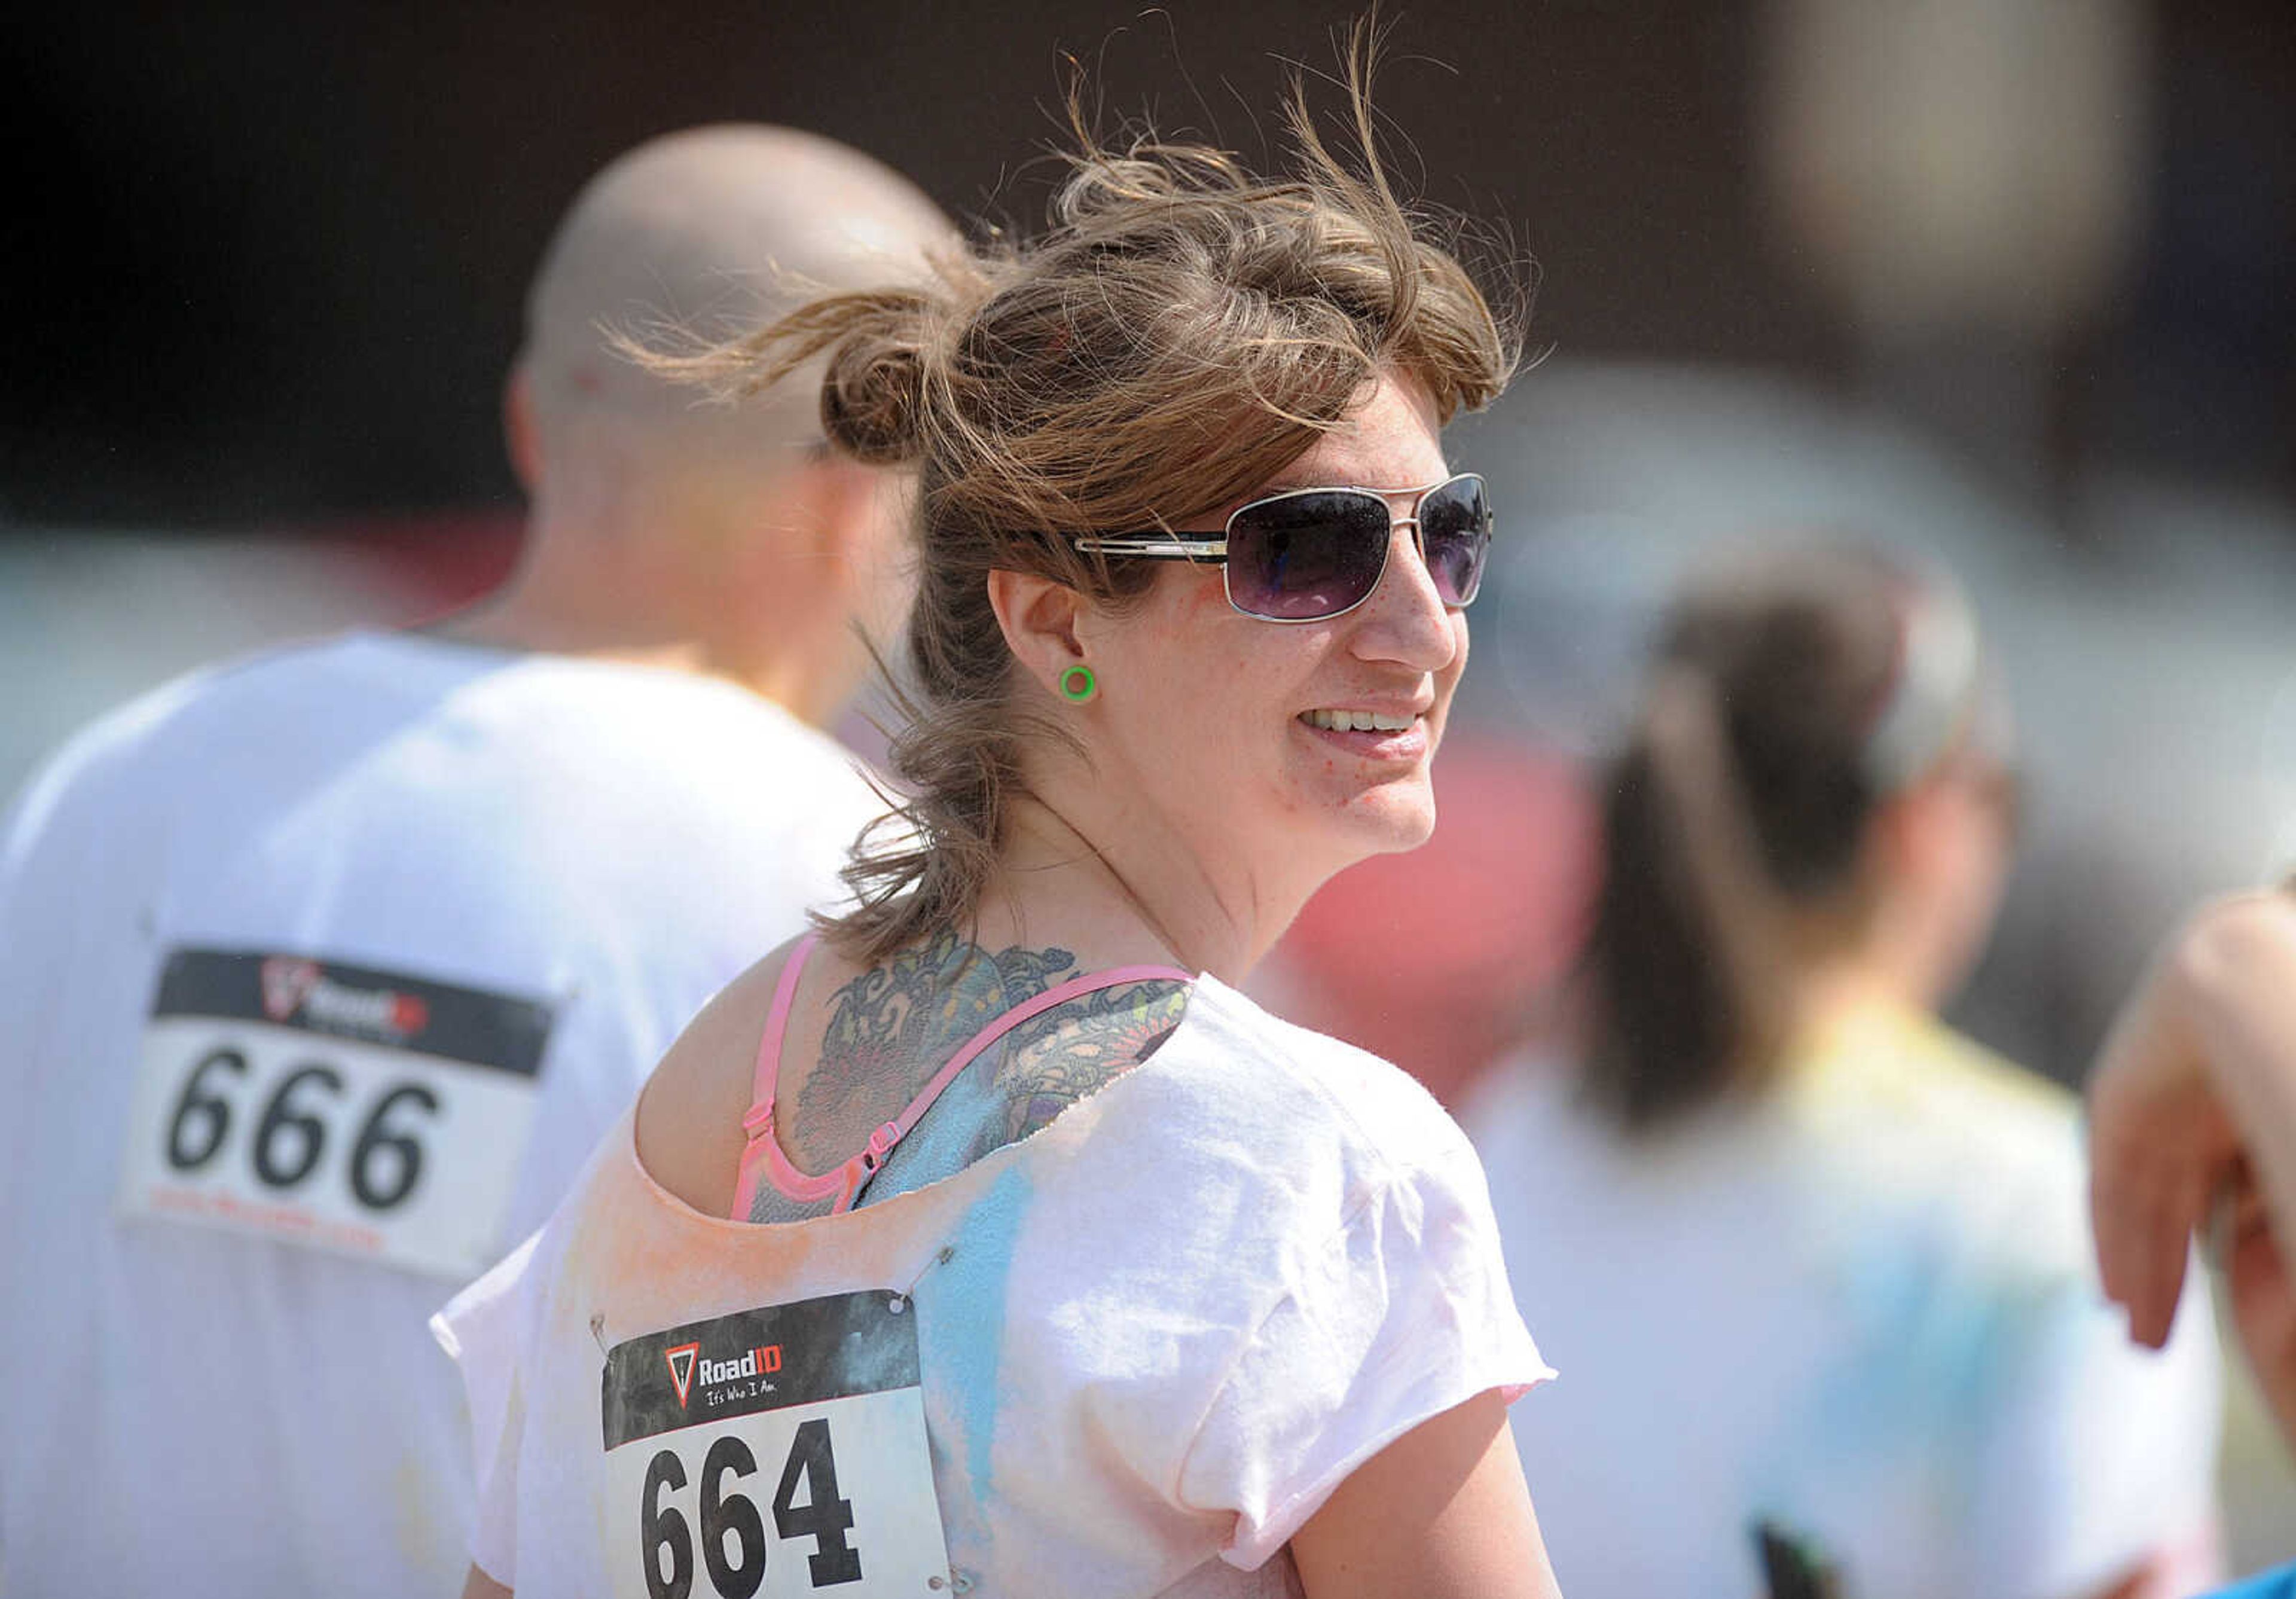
[(1400, 1315), (481, 1330), (2100, 1455)]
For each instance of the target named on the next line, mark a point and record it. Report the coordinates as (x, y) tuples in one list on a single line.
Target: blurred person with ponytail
[(1815, 1263), (987, 1239)]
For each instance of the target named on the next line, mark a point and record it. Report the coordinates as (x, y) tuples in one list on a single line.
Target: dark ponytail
[(1733, 821), (1684, 949)]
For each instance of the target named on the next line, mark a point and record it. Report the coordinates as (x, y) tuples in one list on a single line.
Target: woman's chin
[(1330, 832), (1392, 820)]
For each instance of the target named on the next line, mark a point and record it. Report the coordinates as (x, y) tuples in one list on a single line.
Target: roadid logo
[(286, 982), (686, 1365), (681, 1361), (293, 986)]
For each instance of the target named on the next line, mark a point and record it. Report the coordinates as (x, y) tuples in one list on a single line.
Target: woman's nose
[(1406, 620)]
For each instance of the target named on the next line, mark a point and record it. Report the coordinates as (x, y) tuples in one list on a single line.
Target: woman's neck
[(1827, 991), (1073, 871)]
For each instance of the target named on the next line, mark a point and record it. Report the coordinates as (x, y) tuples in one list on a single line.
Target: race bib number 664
[(780, 1452)]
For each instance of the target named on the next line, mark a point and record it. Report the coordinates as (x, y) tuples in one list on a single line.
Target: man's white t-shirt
[(320, 976), (1861, 1310), (1127, 1356)]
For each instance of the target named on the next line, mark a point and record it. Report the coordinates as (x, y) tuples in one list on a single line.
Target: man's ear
[(1040, 619), (522, 435), (852, 517), (856, 525)]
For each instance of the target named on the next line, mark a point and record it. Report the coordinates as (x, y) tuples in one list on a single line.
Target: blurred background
[(2006, 285)]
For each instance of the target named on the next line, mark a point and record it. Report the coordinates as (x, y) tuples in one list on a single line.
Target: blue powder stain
[(968, 1296), (968, 1115), (1933, 1339)]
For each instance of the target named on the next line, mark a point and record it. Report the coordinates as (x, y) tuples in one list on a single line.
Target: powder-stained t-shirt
[(1863, 1311), (321, 975), (1143, 1345)]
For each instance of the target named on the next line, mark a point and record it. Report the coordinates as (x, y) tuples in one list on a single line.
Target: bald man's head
[(709, 233)]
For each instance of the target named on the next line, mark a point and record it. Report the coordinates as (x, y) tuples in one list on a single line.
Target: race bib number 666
[(779, 1452), (365, 1113)]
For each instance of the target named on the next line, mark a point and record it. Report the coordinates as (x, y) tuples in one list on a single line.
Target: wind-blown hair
[(1182, 331)]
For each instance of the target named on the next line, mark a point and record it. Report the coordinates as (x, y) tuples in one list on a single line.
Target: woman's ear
[(1900, 839), (1039, 617), (1916, 827)]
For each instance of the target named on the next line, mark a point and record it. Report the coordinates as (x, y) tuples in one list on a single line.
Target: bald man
[(322, 974)]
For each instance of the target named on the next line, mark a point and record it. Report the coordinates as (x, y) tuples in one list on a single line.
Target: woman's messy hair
[(1180, 332)]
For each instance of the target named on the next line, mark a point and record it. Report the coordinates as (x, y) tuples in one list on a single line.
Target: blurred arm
[(1439, 1514), (480, 1586), (2194, 1099)]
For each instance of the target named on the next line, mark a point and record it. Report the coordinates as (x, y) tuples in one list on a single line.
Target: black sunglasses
[(1309, 554)]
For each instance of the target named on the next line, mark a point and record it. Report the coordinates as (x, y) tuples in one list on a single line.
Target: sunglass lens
[(1301, 556), (1454, 528)]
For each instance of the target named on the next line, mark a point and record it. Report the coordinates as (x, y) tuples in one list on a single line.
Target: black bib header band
[(830, 1348)]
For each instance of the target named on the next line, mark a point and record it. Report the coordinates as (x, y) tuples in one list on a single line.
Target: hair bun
[(872, 395)]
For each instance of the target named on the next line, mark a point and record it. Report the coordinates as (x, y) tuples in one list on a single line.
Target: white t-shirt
[(320, 976), (1127, 1356), (1863, 1310)]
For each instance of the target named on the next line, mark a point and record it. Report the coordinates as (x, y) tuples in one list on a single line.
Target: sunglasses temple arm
[(1155, 548)]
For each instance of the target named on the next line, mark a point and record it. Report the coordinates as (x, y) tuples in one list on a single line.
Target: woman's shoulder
[(1933, 1086), (1937, 1138), (689, 1133), (1298, 1089)]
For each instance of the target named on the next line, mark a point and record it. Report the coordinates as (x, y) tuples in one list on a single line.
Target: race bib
[(345, 1109), (773, 1452)]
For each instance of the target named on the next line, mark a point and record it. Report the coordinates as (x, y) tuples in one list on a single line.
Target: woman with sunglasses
[(1817, 1254), (989, 1241)]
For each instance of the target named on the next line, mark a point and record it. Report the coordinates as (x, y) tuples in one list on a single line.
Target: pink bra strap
[(843, 1183), (770, 1046), (757, 1121)]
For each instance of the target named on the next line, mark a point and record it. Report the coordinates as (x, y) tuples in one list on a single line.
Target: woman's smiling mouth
[(1359, 721), (1384, 735)]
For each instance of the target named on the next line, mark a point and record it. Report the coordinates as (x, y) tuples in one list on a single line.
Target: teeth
[(1357, 721)]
